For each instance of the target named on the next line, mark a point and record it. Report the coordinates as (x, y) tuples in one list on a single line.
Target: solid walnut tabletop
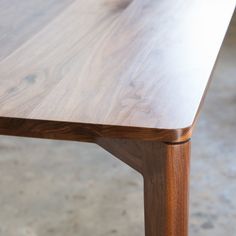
[(84, 69)]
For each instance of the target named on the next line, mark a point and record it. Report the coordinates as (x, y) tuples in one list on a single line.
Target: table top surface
[(115, 68)]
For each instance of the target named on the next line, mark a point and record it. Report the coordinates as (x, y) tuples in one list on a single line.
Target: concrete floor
[(66, 188)]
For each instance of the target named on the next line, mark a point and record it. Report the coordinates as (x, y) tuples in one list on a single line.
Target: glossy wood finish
[(165, 168), (126, 68)]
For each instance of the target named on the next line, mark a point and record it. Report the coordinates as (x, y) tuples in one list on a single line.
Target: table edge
[(85, 132)]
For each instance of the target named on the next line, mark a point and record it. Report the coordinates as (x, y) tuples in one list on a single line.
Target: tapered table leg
[(166, 190), (165, 168)]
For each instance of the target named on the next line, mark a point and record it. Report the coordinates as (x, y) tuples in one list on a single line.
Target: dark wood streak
[(85, 132)]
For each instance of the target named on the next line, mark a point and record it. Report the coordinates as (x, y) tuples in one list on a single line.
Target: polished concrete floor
[(52, 188)]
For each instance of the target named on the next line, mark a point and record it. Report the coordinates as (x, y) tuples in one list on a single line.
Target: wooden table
[(129, 75)]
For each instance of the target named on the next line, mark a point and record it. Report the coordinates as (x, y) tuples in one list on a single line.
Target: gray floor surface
[(67, 188)]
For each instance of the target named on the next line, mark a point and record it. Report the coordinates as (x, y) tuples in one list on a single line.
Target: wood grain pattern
[(165, 168), (20, 20), (166, 189), (136, 65), (83, 132)]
